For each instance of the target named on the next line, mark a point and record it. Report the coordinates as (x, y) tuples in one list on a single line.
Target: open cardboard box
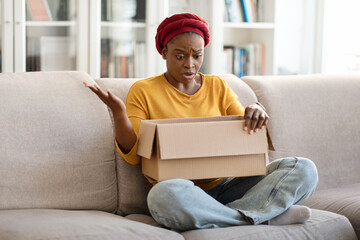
[(200, 148)]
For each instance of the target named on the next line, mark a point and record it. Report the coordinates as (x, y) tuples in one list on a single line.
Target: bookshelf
[(225, 33), (234, 25), (118, 38), (115, 38), (43, 35), (257, 34)]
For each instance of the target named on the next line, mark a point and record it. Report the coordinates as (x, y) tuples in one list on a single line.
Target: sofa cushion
[(57, 147), (143, 219), (315, 116), (322, 225), (344, 200), (66, 225)]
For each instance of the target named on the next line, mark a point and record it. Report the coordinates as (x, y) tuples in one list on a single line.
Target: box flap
[(146, 138), (208, 139), (195, 119)]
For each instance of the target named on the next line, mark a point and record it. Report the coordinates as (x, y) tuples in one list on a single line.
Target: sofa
[(62, 178)]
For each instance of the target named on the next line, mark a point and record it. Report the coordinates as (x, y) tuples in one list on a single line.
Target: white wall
[(341, 46), (297, 36)]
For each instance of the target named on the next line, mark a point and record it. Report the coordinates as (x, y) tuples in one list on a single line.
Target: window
[(341, 37)]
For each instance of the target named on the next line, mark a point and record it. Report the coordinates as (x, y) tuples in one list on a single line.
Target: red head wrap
[(180, 23)]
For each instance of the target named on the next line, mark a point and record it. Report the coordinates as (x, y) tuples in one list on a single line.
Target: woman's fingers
[(101, 92), (265, 122), (92, 88), (98, 91), (261, 121), (248, 116), (111, 96), (116, 105), (255, 119)]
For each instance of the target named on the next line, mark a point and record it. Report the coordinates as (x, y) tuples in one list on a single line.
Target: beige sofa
[(61, 177)]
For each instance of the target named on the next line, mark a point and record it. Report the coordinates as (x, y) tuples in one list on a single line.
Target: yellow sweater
[(156, 98)]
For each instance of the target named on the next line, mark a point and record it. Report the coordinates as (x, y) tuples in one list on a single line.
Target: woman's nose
[(189, 62)]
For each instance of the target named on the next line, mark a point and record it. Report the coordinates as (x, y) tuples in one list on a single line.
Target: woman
[(184, 92)]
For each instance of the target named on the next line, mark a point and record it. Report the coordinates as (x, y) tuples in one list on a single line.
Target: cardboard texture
[(200, 148)]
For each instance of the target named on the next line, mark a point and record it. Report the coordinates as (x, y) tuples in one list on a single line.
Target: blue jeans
[(180, 205)]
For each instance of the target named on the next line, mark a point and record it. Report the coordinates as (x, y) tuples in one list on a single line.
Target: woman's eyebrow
[(179, 50), (182, 50)]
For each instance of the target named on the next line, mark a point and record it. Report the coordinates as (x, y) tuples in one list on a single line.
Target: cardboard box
[(200, 148)]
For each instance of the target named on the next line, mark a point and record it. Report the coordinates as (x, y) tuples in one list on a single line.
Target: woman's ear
[(164, 53)]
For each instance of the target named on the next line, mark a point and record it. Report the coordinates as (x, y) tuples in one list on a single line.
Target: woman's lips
[(189, 75)]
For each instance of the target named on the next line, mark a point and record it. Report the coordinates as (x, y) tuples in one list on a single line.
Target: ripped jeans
[(180, 205)]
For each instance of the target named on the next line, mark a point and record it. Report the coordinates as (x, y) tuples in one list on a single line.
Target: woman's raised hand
[(116, 105), (124, 132)]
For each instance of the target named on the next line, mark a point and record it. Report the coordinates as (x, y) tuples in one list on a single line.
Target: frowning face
[(184, 57)]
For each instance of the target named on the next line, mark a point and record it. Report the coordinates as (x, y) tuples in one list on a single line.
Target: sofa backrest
[(315, 116), (132, 188), (131, 183), (56, 143)]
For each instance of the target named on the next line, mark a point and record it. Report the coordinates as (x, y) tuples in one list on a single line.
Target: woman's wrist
[(119, 114)]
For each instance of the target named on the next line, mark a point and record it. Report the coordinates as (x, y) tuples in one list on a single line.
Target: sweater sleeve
[(231, 102), (235, 107), (136, 111), (130, 157)]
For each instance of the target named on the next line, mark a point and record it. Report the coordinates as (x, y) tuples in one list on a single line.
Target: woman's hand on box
[(255, 118)]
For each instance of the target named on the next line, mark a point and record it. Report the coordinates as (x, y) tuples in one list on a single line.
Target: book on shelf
[(106, 10), (249, 10), (140, 59), (140, 15), (120, 10), (38, 10), (179, 6), (233, 11), (57, 53), (260, 11), (228, 58), (244, 60), (122, 59), (60, 9), (106, 52), (32, 54), (124, 52), (244, 11)]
